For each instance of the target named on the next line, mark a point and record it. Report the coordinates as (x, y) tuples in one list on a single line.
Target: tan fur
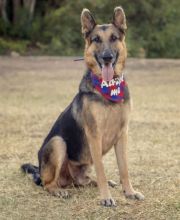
[(105, 125), (110, 124), (91, 48), (54, 155)]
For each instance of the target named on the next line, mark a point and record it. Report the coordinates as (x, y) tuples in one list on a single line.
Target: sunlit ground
[(33, 92)]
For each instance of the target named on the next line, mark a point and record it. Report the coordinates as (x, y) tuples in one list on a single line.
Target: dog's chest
[(110, 130), (106, 122), (111, 126)]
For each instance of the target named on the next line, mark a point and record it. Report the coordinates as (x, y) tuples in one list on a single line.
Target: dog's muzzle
[(107, 61), (107, 57)]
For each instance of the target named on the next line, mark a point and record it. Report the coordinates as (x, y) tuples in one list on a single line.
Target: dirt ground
[(33, 92)]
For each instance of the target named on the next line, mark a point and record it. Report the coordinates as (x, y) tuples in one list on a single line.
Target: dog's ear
[(119, 18), (87, 22)]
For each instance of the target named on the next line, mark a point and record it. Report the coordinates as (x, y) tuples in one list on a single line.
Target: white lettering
[(117, 82), (115, 91), (112, 82), (104, 83)]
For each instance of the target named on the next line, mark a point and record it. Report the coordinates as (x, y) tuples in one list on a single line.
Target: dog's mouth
[(107, 71), (107, 68)]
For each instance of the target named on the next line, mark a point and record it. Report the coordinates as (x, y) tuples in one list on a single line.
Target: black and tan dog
[(95, 121)]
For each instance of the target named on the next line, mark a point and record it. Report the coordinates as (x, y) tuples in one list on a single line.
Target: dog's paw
[(134, 195), (61, 193), (108, 202)]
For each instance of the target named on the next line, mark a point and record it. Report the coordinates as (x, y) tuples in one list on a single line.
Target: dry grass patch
[(34, 90)]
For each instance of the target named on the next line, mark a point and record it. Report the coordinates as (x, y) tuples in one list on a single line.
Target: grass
[(7, 45), (34, 90)]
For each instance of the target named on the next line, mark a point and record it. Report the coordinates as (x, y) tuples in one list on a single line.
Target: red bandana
[(112, 90)]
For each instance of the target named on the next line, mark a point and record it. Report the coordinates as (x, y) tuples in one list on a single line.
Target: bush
[(153, 27), (6, 46)]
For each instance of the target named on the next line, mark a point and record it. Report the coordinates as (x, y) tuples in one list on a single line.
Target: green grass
[(7, 45), (34, 90)]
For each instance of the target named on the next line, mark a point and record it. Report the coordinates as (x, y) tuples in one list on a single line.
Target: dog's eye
[(96, 39), (113, 38)]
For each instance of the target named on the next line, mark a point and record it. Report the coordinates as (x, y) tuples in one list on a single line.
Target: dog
[(95, 121)]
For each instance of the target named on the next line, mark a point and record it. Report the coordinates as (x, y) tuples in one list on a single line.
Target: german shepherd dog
[(95, 121)]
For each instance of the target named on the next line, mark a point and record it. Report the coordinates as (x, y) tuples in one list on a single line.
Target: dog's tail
[(34, 171)]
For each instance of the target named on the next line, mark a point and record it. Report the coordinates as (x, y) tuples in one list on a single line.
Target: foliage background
[(53, 27)]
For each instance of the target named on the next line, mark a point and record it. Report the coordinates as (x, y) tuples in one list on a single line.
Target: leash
[(79, 59)]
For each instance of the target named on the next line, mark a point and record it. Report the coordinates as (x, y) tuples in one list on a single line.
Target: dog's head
[(105, 48)]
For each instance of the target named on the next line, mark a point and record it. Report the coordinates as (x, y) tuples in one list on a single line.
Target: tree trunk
[(16, 6), (30, 5), (3, 13)]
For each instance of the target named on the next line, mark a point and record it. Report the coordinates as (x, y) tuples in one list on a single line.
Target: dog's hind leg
[(80, 174), (53, 157)]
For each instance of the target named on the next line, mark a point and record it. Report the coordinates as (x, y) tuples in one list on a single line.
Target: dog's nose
[(107, 56)]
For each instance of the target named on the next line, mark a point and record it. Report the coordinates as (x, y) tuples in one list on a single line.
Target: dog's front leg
[(121, 155), (95, 145)]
